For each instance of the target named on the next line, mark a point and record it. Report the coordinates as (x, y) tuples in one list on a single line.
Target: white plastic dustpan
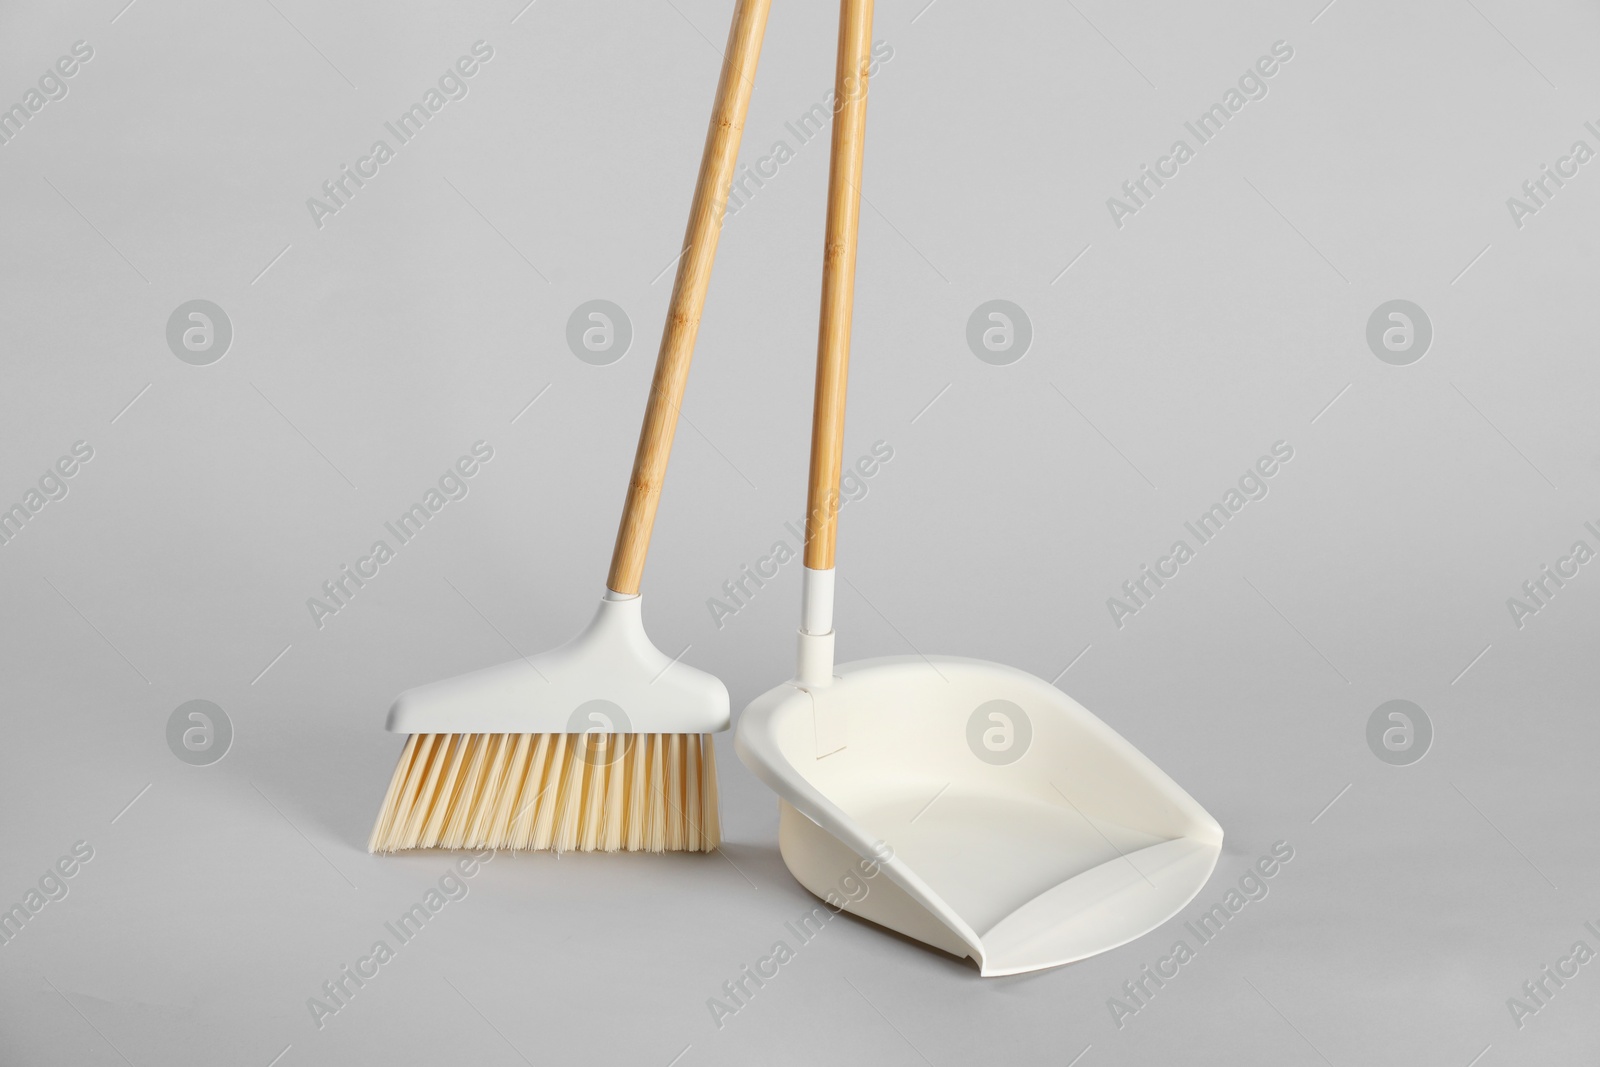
[(1020, 830), (1012, 825)]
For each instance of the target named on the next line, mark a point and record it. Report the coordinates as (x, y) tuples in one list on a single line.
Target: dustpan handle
[(838, 280), (814, 666), (688, 294)]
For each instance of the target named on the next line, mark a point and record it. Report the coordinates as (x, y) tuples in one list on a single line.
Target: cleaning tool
[(603, 743), (1012, 826)]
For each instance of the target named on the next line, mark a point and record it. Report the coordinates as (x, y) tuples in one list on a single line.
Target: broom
[(604, 743)]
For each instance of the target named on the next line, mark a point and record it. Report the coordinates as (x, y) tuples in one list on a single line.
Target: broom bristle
[(564, 792)]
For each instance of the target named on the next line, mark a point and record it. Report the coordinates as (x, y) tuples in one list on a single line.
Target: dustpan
[(1077, 846), (1010, 825)]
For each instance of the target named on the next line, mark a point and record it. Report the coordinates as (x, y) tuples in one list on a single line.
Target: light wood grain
[(688, 294), (838, 280)]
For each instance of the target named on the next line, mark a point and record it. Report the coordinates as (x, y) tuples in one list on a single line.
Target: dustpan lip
[(996, 963)]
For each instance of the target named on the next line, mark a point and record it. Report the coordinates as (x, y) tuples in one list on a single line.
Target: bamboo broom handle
[(838, 280), (688, 294)]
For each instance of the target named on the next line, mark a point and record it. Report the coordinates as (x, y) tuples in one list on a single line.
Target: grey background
[(367, 355)]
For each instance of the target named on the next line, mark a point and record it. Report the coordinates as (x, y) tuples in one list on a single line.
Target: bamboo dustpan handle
[(838, 279), (688, 294)]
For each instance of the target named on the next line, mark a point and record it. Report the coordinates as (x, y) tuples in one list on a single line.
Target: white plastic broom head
[(609, 679)]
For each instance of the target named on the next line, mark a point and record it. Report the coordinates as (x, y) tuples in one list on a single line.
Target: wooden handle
[(688, 294), (838, 279)]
